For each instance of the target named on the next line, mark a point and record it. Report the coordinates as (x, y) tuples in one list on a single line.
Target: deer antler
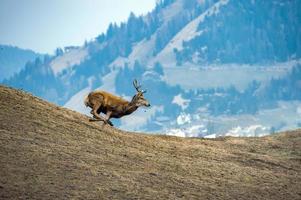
[(138, 86)]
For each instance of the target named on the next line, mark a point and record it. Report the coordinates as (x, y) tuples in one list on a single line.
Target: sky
[(44, 25)]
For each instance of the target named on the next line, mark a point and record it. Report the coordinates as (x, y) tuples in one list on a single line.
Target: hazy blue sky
[(43, 25)]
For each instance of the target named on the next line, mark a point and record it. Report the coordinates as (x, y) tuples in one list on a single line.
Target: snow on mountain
[(172, 10), (250, 131), (143, 50), (286, 116), (109, 82), (184, 118), (76, 102), (210, 136), (218, 75), (299, 110), (191, 131), (180, 101), (137, 120), (68, 59), (167, 56)]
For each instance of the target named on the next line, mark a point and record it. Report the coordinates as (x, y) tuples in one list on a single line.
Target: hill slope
[(48, 152)]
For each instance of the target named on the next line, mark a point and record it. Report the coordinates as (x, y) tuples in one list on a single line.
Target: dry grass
[(48, 152)]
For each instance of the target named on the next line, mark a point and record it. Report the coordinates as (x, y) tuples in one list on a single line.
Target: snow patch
[(172, 10), (210, 136), (299, 110), (249, 131), (118, 62), (141, 52), (183, 118), (176, 132), (192, 76), (193, 131), (68, 59), (180, 101), (166, 56), (286, 116), (109, 82), (139, 118), (76, 102)]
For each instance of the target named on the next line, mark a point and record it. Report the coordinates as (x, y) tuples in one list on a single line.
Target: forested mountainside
[(13, 60)]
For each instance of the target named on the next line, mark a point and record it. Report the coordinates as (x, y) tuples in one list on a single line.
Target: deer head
[(139, 99)]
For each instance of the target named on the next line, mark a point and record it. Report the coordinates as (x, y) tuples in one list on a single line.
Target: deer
[(113, 106)]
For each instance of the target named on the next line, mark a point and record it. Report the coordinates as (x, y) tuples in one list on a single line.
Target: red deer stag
[(113, 106)]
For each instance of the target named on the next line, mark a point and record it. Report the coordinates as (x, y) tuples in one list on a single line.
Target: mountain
[(211, 68), (50, 152), (13, 60)]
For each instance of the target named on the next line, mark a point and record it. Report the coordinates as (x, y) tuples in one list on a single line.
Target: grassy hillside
[(48, 152)]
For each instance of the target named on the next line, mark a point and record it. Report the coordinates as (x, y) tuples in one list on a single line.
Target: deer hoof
[(110, 123)]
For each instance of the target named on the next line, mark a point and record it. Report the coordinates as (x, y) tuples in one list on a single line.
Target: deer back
[(106, 99)]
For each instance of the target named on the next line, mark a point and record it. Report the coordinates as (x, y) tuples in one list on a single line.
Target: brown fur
[(113, 106)]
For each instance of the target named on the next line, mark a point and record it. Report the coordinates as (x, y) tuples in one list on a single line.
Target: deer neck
[(130, 107)]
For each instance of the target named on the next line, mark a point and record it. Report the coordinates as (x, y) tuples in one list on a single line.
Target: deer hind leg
[(96, 116), (105, 119)]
